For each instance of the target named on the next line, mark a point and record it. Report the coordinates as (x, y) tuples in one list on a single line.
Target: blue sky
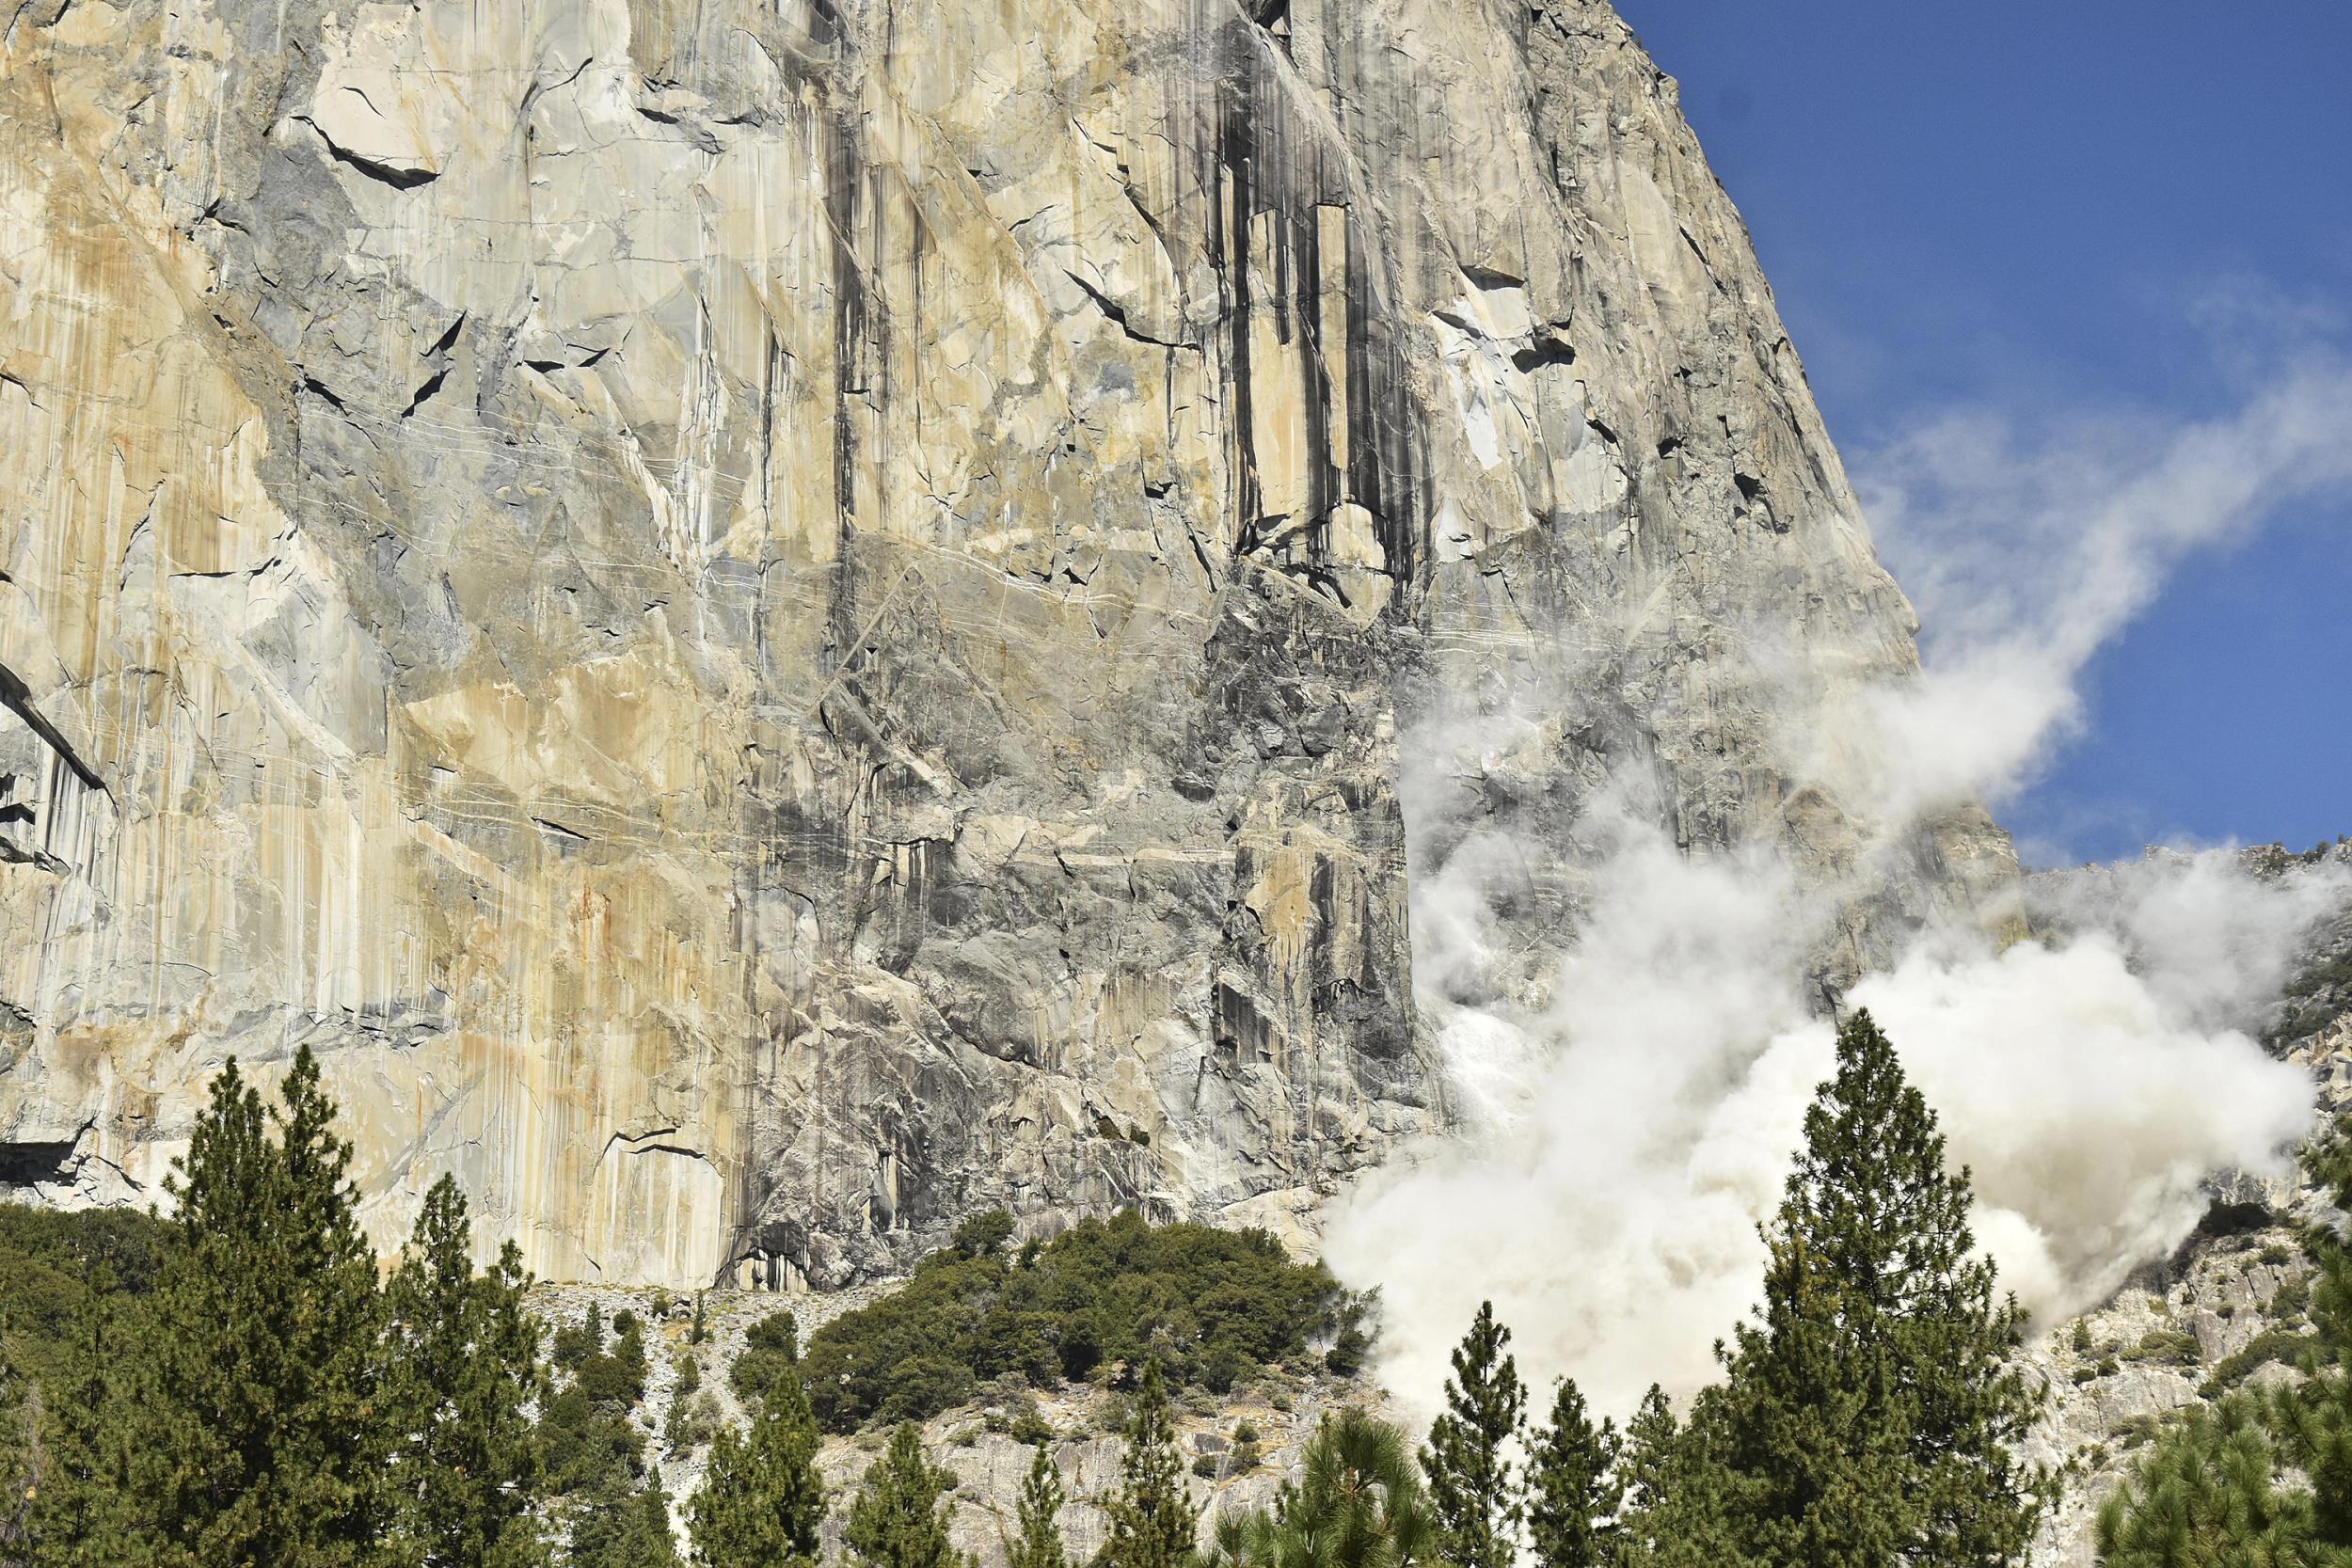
[(2059, 213)]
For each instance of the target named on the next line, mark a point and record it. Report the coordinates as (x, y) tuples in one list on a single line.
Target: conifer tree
[(2209, 1494), (898, 1521), (625, 1523), (266, 1446), (1675, 1490), (1357, 1502), (1039, 1542), (87, 1513), (466, 1468), (1472, 1489), (763, 1501), (1572, 1493), (19, 1479), (1152, 1519), (1644, 1454), (1868, 1418), (2259, 1481)]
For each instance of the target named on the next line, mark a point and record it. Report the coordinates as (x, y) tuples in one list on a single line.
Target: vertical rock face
[(767, 621)]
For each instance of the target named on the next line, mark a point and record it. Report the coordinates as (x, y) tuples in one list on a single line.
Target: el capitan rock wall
[(769, 623)]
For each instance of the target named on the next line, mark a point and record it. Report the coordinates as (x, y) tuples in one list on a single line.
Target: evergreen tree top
[(1473, 1493), (1871, 1412)]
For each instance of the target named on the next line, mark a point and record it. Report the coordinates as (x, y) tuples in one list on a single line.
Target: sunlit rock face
[(769, 622)]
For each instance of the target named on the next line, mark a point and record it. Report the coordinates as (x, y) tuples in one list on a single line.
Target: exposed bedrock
[(769, 623)]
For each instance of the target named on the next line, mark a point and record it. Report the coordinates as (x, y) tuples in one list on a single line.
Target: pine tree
[(1038, 1542), (87, 1513), (266, 1446), (19, 1474), (1644, 1457), (2214, 1490), (2208, 1494), (1471, 1487), (1868, 1418), (2314, 1419), (1357, 1502), (1152, 1519), (624, 1523), (1675, 1492), (896, 1521), (467, 1468), (1572, 1493), (763, 1499)]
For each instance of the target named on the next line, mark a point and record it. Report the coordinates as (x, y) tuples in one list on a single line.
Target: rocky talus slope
[(2222, 1314), (2224, 1311), (985, 1444), (772, 621)]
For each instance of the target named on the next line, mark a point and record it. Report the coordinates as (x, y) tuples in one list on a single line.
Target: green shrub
[(693, 1422), (616, 1378), (1352, 1343), (1022, 1421), (2281, 1343), (2164, 1344), (575, 1342), (1205, 1466), (2276, 1254), (51, 1259), (983, 1235), (1214, 1308), (771, 1348)]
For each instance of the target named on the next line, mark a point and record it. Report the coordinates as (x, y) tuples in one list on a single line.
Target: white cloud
[(2027, 552)]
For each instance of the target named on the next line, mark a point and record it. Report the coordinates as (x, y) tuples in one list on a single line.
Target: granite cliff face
[(767, 623)]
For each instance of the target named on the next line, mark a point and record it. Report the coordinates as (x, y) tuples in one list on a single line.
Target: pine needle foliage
[(1152, 1519), (2258, 1481), (1673, 1493), (1037, 1540), (2208, 1496), (266, 1446), (86, 1511), (465, 1374), (1472, 1489), (1868, 1417), (19, 1480), (1572, 1489), (235, 1387), (897, 1520), (1357, 1502), (763, 1501)]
